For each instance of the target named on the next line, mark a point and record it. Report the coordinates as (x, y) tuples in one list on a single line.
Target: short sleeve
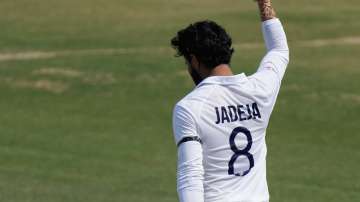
[(183, 124)]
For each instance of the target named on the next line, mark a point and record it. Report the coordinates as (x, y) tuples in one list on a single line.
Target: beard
[(195, 76)]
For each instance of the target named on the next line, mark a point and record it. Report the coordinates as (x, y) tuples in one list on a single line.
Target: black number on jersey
[(240, 152)]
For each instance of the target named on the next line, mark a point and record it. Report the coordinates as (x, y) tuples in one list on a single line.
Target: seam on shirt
[(202, 105)]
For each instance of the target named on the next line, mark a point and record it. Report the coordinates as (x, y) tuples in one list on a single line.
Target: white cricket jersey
[(221, 126)]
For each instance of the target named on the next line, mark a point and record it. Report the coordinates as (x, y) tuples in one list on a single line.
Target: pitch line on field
[(354, 40), (32, 55)]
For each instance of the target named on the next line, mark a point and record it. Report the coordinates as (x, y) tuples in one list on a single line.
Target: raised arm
[(273, 65), (273, 31)]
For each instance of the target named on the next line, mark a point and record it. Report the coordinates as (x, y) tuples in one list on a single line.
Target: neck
[(221, 70)]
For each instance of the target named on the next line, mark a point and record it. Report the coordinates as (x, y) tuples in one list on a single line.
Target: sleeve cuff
[(271, 21)]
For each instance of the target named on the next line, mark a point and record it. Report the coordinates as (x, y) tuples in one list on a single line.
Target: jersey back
[(231, 116)]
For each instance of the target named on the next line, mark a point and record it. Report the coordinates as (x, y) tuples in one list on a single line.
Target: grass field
[(88, 86)]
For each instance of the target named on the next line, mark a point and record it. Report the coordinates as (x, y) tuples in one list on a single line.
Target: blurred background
[(88, 86)]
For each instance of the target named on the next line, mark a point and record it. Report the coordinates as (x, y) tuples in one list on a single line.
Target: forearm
[(274, 35), (190, 173), (267, 12)]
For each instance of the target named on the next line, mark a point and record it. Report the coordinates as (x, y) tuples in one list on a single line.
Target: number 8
[(239, 152)]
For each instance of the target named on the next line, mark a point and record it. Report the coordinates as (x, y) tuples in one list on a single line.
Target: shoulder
[(185, 119), (192, 102), (264, 83)]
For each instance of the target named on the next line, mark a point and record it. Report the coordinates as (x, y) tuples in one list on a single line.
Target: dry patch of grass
[(352, 40), (32, 55), (51, 71), (351, 97), (45, 82), (56, 87), (87, 78)]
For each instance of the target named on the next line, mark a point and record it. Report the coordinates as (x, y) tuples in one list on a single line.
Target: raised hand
[(267, 12)]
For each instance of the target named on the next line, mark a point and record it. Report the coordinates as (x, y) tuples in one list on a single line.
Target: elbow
[(284, 53), (190, 178), (285, 49), (194, 188), (288, 55), (282, 50)]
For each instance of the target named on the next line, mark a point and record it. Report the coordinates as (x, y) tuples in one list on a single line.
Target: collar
[(222, 79)]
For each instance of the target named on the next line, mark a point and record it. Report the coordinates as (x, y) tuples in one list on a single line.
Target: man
[(220, 126)]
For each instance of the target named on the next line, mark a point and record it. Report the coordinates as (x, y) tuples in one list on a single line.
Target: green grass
[(103, 131)]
